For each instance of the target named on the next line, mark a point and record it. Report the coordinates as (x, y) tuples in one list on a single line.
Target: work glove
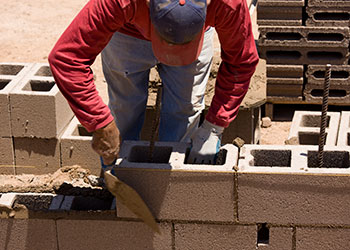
[(106, 142), (206, 143)]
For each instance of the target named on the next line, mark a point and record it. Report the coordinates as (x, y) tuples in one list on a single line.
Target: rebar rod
[(322, 137)]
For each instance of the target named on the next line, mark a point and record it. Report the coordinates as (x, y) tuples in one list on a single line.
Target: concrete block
[(322, 238), (269, 22), (283, 185), (303, 36), (304, 55), (328, 3), (38, 109), (110, 235), (290, 3), (175, 190), (76, 148), (284, 71), (27, 234), (344, 129), (278, 238), (290, 13), (36, 155), (328, 16), (7, 160), (10, 75), (306, 127), (340, 74), (338, 94), (283, 89), (211, 236)]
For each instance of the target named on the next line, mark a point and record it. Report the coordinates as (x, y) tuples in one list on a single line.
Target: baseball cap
[(177, 30)]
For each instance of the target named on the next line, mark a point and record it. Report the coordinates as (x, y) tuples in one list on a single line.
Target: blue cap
[(177, 30)]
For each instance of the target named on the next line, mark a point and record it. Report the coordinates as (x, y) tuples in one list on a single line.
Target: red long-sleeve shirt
[(93, 27)]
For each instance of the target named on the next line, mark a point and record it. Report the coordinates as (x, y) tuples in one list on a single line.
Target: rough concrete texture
[(296, 159), (344, 129), (322, 238), (10, 75), (38, 109), (304, 55), (75, 144), (328, 3), (340, 74), (338, 94), (304, 36), (7, 159), (284, 71), (111, 235), (209, 236), (269, 22), (279, 238), (27, 234), (273, 13), (306, 127), (284, 3), (283, 89), (36, 156), (328, 16), (284, 199)]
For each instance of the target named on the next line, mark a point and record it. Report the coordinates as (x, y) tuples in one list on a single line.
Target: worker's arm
[(70, 61), (239, 59)]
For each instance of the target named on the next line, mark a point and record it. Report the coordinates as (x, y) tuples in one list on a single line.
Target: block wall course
[(338, 94), (328, 3), (75, 145), (299, 55), (123, 235), (284, 71), (322, 238), (340, 74), (328, 16), (10, 75), (36, 155), (303, 36), (344, 129), (277, 13), (306, 127), (38, 109), (181, 191), (283, 89), (7, 160), (27, 234), (209, 236), (285, 3), (280, 238), (277, 185)]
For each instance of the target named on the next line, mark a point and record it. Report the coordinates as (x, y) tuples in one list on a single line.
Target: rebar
[(322, 137)]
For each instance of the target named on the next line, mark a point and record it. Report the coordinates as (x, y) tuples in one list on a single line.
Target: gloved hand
[(106, 142), (206, 142)]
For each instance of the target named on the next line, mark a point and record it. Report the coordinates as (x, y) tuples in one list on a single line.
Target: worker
[(134, 36)]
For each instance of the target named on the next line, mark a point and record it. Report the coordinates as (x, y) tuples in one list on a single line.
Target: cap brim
[(176, 54)]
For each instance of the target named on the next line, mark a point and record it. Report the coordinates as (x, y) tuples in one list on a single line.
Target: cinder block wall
[(263, 197)]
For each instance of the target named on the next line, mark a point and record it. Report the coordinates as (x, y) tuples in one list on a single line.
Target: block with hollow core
[(344, 129), (328, 3), (338, 94), (306, 127), (36, 155), (284, 185), (76, 148), (308, 55), (340, 75), (38, 109), (274, 237), (328, 16), (175, 190), (303, 36), (7, 161), (10, 75)]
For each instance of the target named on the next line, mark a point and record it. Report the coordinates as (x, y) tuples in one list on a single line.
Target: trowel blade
[(131, 199)]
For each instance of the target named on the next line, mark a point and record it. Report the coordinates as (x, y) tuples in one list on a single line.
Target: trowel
[(128, 197)]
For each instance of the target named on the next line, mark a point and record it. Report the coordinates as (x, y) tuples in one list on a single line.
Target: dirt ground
[(30, 29)]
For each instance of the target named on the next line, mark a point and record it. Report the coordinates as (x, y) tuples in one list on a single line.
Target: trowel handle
[(108, 167)]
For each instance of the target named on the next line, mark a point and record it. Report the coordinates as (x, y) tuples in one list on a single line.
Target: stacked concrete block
[(10, 75), (339, 91), (39, 113), (76, 148), (344, 129), (176, 190), (283, 185), (328, 16), (280, 12), (305, 128)]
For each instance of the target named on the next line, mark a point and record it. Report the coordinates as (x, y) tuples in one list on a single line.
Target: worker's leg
[(126, 63), (183, 94)]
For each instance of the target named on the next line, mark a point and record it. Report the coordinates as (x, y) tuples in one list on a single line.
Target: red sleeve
[(239, 59), (75, 52)]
